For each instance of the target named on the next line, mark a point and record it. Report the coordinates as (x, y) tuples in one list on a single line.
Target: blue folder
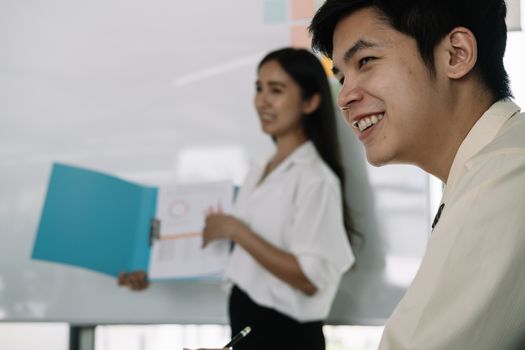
[(96, 221)]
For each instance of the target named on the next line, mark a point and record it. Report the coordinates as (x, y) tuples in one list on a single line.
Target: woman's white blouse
[(297, 208)]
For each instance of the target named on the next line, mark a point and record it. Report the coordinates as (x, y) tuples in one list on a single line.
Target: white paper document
[(182, 210)]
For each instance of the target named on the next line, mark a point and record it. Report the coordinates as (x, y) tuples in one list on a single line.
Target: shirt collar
[(303, 154), (481, 134)]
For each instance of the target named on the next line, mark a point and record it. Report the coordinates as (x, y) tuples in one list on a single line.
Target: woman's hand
[(221, 226), (134, 280)]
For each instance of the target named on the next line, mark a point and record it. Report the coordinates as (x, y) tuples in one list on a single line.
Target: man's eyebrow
[(358, 46)]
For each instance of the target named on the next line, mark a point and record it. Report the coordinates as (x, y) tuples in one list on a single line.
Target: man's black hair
[(428, 22)]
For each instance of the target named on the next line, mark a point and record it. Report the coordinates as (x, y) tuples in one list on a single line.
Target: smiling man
[(423, 83)]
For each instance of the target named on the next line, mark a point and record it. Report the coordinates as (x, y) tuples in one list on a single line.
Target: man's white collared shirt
[(469, 292)]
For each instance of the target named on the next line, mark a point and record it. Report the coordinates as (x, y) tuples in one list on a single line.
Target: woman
[(290, 226), (290, 221)]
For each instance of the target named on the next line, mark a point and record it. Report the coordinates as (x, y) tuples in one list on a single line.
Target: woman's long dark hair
[(320, 126)]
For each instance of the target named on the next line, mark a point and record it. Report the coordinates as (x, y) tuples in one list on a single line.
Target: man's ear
[(462, 51), (311, 104)]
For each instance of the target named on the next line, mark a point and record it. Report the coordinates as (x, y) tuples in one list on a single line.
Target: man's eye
[(365, 60), (341, 80)]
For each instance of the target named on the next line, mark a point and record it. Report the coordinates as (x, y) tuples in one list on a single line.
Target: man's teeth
[(267, 117), (367, 122)]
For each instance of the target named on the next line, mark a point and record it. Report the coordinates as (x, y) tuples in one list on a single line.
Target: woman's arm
[(280, 263)]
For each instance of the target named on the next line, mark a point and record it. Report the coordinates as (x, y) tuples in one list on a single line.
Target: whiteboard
[(159, 92)]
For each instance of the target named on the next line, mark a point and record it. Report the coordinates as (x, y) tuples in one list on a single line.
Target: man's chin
[(376, 161)]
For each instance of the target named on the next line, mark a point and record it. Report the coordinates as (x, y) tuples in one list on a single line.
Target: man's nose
[(349, 93)]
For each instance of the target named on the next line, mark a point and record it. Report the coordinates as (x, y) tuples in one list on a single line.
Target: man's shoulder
[(502, 157), (510, 140)]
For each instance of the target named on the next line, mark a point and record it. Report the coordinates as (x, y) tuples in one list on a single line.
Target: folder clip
[(154, 231)]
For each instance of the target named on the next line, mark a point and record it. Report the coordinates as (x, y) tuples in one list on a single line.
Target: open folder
[(106, 224)]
